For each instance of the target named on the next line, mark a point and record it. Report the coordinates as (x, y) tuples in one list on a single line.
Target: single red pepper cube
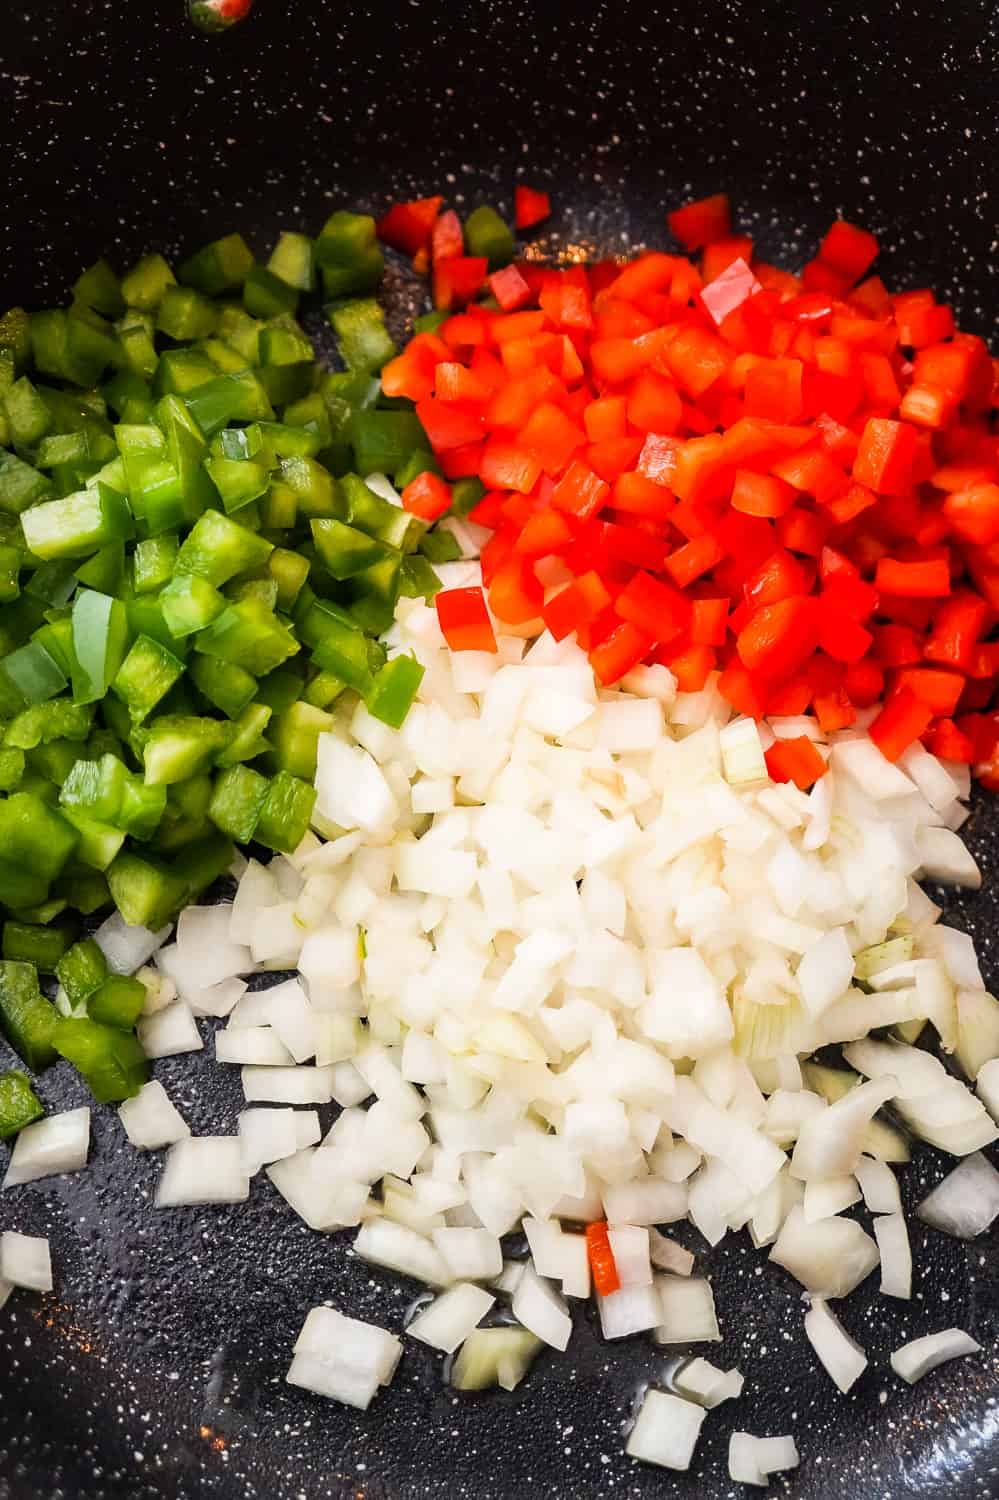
[(408, 226), (580, 492), (618, 652), (464, 619), (427, 496), (797, 760), (698, 223), (510, 289), (903, 720), (886, 456), (530, 206)]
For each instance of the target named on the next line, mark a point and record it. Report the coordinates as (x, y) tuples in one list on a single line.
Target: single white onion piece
[(269, 1135), (666, 1255), (329, 1336), (843, 1358), (666, 1431), (914, 1360), (879, 1186), (469, 1254), (25, 1261), (896, 1255), (743, 1465), (204, 945), (256, 1046), (630, 1310), (288, 1085), (966, 1203), (450, 1318), (541, 1310), (687, 1311), (151, 1120), (169, 1032), (987, 1086), (829, 1258), (59, 1143), (398, 1248), (630, 1248), (126, 948), (699, 1380), (203, 1169), (829, 1143), (494, 1356)]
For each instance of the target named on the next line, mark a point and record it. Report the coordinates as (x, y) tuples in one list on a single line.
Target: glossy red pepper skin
[(213, 16)]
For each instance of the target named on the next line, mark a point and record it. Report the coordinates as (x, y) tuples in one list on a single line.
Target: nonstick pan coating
[(157, 1369)]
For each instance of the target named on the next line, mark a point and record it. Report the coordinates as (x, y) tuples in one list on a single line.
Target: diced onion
[(843, 1358), (203, 1169), (25, 1261), (666, 1431), (450, 1318), (151, 1120), (59, 1143), (916, 1359), (966, 1203)]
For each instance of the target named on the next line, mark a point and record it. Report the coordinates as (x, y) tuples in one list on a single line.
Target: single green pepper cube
[(190, 603), (372, 513), (383, 440), (181, 372), (78, 524), (105, 571), (135, 335), (118, 1002), (487, 234), (236, 802), (288, 439), (58, 720), (19, 1104), (289, 571), (81, 970), (142, 808), (98, 287), (227, 687), (145, 285), (248, 739), (364, 341), (94, 788), (27, 414), (35, 836), (285, 814), (36, 943), (100, 637), (348, 254), (240, 330), (279, 507), (218, 267), (323, 689), (27, 1018), (145, 891), (145, 617), (266, 295), (62, 448), (227, 398), (237, 482), (145, 677), (15, 334), (250, 635), (20, 887), (86, 891), (154, 562), (295, 738), (184, 315), (21, 486), (217, 548), (99, 842), (292, 261), (344, 549), (56, 759), (394, 690), (282, 687), (181, 745), (313, 486), (374, 595), (34, 672), (110, 1060)]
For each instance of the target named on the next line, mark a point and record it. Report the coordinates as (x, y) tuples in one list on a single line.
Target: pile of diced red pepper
[(721, 466)]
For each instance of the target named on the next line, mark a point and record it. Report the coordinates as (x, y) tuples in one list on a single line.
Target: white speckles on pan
[(156, 1370)]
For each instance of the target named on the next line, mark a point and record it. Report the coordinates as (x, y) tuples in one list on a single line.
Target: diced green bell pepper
[(110, 1060), (154, 562), (285, 814), (34, 672), (184, 314), (227, 398), (145, 891), (226, 686), (58, 720), (348, 255), (295, 738), (237, 800), (28, 417), (98, 287), (21, 486), (105, 570), (27, 1018), (34, 836), (95, 788), (189, 603), (395, 687), (313, 486), (250, 635), (11, 769), (364, 341), (100, 639), (179, 746), (344, 549), (145, 285), (81, 970), (292, 260), (146, 675), (36, 944), (77, 525), (487, 234), (383, 440), (237, 481), (217, 548), (117, 1002), (218, 267), (19, 1104), (266, 295), (248, 739)]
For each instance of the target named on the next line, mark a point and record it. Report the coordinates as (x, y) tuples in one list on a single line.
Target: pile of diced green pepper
[(192, 571)]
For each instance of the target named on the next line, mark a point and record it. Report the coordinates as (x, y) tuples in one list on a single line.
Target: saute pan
[(157, 1368)]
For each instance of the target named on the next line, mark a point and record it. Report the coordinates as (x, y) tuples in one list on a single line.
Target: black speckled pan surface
[(157, 1369)]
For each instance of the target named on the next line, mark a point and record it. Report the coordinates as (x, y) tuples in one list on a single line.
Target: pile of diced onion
[(564, 955)]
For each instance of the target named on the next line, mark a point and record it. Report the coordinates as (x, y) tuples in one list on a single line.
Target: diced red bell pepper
[(464, 619), (697, 224), (939, 689), (661, 611), (958, 625), (408, 226), (728, 291), (797, 760), (654, 404), (550, 436), (515, 595), (761, 494), (510, 289), (974, 513), (623, 649), (927, 578), (744, 690), (945, 740), (773, 390), (530, 206), (447, 240), (458, 279), (546, 531), (903, 720), (580, 492), (427, 496), (638, 496), (449, 426), (508, 466), (886, 456), (780, 637), (848, 249), (576, 605)]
